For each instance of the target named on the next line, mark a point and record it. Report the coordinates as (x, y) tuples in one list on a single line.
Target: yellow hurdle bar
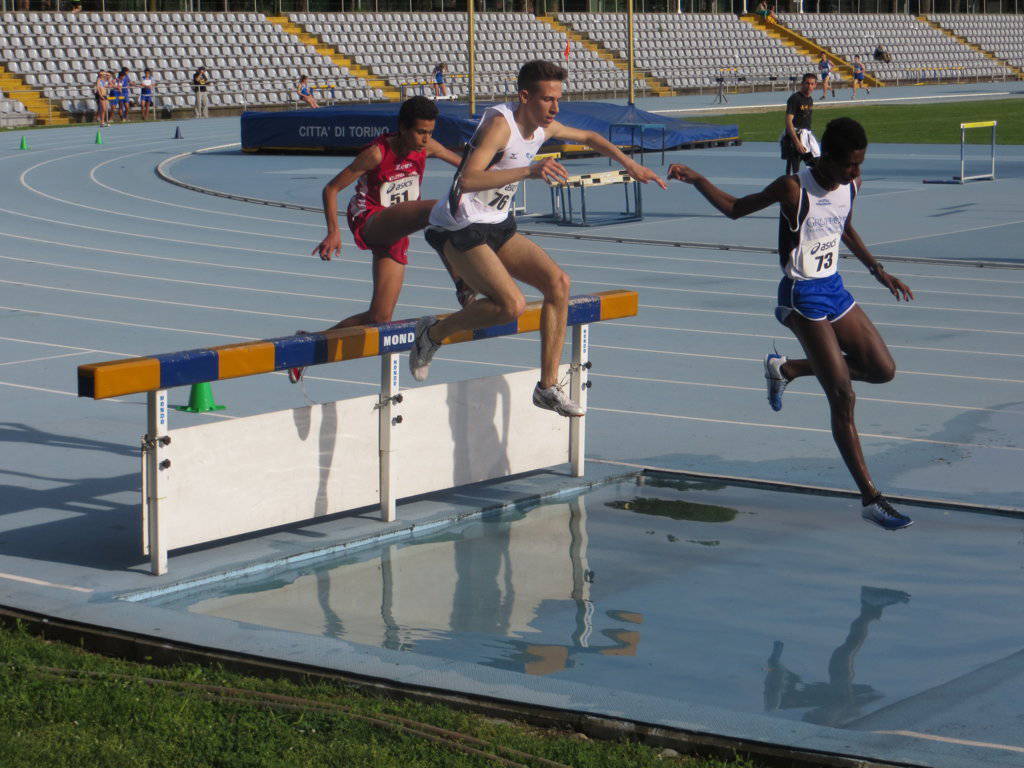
[(148, 374), (984, 124)]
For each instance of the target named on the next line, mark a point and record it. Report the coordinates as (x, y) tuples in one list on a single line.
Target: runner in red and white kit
[(386, 208)]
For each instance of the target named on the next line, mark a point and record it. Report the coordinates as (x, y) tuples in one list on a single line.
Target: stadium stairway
[(965, 42), (306, 38), (46, 112), (807, 47), (657, 86)]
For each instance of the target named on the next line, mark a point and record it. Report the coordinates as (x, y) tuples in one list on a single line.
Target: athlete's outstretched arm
[(896, 287), (600, 144), (365, 161), (439, 150), (779, 191), (494, 135)]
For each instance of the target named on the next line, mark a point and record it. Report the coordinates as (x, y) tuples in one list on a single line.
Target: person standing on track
[(475, 229), (146, 93), (797, 141), (841, 343), (386, 208), (858, 76), (825, 76)]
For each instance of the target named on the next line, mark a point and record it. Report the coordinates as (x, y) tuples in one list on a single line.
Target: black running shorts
[(467, 238)]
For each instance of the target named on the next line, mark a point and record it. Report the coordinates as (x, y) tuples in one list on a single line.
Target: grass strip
[(63, 707), (894, 124)]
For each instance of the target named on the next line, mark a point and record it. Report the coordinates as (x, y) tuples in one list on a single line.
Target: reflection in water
[(676, 509), (840, 700)]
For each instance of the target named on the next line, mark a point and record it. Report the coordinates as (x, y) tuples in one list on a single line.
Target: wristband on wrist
[(874, 270)]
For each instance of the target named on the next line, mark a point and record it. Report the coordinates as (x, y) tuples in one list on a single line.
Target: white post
[(578, 385), (389, 397), (153, 464)]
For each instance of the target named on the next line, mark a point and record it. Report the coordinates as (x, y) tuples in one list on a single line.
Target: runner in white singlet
[(475, 230), (841, 343)]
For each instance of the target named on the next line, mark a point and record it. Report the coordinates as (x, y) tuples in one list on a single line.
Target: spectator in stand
[(76, 7), (200, 82), (146, 93), (306, 92), (881, 54), (762, 10), (773, 13), (439, 87), (101, 92)]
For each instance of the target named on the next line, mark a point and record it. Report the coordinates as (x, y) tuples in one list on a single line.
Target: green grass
[(905, 124), (97, 711)]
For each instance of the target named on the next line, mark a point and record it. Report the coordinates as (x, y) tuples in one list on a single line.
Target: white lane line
[(229, 287), (875, 322), (951, 740), (149, 219), (183, 303), (215, 334), (41, 583), (760, 296), (860, 398), (39, 359), (776, 336), (66, 393), (64, 346), (733, 422), (954, 232), (207, 211), (757, 360)]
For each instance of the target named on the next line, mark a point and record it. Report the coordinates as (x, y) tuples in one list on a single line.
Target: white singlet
[(488, 206), (810, 249)]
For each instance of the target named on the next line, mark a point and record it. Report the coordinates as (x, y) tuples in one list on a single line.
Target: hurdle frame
[(962, 178), (155, 375), (563, 212)]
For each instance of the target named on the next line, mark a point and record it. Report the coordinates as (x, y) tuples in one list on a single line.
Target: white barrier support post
[(389, 397), (578, 385), (152, 465)]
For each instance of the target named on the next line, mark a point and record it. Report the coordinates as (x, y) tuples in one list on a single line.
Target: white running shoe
[(880, 512), (773, 377), (423, 349), (554, 399)]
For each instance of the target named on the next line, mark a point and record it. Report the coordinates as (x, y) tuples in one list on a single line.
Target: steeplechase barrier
[(214, 481), (963, 177), (563, 210)]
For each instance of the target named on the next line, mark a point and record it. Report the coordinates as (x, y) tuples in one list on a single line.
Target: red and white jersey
[(395, 180)]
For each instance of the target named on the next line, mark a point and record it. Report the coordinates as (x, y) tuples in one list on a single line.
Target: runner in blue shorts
[(841, 343)]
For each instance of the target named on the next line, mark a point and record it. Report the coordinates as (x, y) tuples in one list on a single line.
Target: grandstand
[(919, 51), (403, 48), (250, 60), (49, 61), (693, 50), (999, 36)]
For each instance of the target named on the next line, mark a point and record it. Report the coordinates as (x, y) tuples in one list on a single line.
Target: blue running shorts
[(822, 299)]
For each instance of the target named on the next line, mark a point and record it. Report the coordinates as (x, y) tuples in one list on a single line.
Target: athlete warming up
[(386, 207), (841, 343), (476, 231)]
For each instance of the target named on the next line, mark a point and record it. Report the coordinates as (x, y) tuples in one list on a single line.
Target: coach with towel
[(797, 141)]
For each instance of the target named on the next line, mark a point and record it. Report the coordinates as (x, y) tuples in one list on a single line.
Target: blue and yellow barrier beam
[(195, 366)]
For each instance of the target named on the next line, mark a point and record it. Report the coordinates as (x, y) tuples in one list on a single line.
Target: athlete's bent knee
[(510, 307), (884, 372)]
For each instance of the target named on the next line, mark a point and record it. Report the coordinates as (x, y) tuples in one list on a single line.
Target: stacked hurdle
[(564, 212), (217, 480)]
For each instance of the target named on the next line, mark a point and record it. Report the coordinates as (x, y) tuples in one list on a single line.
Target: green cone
[(200, 400), (99, 137), (24, 143)]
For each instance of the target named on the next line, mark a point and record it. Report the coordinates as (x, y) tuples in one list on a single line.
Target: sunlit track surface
[(99, 258)]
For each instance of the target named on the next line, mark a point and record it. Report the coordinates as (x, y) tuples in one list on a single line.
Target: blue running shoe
[(773, 363), (880, 512)]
